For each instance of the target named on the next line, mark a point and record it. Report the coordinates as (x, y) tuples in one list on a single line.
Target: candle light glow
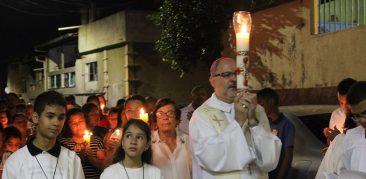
[(87, 136), (144, 116)]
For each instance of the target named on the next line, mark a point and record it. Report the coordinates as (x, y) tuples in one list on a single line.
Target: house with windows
[(304, 48), (113, 56)]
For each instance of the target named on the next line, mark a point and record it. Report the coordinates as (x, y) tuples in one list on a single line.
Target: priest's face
[(359, 113), (223, 80)]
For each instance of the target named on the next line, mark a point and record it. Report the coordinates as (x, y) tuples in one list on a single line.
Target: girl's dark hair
[(120, 103), (86, 109), (11, 131), (163, 102), (117, 111), (146, 155), (66, 131)]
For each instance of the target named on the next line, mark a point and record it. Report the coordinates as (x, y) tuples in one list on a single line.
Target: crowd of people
[(230, 134)]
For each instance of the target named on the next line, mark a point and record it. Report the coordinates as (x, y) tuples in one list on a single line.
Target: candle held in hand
[(87, 136)]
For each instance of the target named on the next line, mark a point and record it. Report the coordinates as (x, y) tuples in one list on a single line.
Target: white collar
[(213, 101)]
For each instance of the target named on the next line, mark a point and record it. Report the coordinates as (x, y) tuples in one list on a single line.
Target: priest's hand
[(245, 104)]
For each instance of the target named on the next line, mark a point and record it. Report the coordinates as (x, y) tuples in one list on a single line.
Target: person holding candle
[(43, 156), (229, 132), (92, 116), (171, 149), (133, 106), (132, 159), (92, 154), (115, 132)]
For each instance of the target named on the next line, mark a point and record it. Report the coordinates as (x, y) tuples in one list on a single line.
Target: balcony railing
[(336, 15)]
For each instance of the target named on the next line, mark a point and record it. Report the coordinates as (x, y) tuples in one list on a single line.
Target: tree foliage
[(191, 31)]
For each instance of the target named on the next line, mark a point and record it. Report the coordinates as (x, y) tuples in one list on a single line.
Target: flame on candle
[(144, 116), (243, 29), (242, 22)]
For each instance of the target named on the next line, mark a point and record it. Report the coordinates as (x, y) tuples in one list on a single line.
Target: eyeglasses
[(226, 74), (161, 114), (358, 116)]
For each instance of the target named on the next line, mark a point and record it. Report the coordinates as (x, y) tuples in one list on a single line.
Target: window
[(55, 81), (93, 71), (69, 79), (336, 15)]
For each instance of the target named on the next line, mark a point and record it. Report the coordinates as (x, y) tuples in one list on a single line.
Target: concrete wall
[(159, 80), (284, 53), (122, 44), (104, 32)]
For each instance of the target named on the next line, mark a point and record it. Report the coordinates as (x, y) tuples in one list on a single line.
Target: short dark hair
[(136, 97), (11, 131), (356, 93), (196, 89), (66, 131), (118, 112), (344, 85), (146, 155), (163, 102), (49, 98), (120, 103), (92, 97), (150, 99), (268, 95), (12, 94), (70, 99), (86, 109)]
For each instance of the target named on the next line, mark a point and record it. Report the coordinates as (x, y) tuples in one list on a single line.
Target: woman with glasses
[(171, 150)]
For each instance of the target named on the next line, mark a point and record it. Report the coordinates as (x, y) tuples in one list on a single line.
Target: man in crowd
[(198, 96), (338, 116), (229, 133), (43, 156), (280, 126), (354, 153)]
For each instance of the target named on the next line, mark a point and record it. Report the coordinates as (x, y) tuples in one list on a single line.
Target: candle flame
[(243, 29), (87, 133), (142, 111)]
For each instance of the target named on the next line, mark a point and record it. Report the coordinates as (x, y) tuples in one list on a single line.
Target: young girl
[(92, 155), (131, 160)]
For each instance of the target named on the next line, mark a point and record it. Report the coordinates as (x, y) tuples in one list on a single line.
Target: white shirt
[(176, 165), (337, 118), (216, 154), (22, 165), (117, 171), (332, 161), (184, 120), (354, 151)]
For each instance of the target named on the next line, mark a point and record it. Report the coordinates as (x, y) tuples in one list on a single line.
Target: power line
[(27, 12)]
